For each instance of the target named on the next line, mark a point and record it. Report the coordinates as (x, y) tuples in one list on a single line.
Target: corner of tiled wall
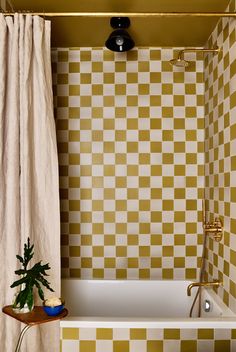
[(220, 154)]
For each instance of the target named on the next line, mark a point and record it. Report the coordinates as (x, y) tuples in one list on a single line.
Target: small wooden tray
[(37, 316)]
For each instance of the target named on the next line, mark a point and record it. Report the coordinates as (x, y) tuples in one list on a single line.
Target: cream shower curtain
[(29, 199)]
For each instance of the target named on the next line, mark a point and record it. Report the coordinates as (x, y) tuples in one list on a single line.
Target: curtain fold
[(29, 189)]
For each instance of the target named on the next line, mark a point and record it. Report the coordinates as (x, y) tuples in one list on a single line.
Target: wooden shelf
[(36, 317)]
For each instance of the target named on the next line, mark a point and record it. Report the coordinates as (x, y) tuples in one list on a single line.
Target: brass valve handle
[(216, 228)]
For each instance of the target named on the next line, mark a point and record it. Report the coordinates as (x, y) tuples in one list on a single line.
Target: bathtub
[(140, 304)]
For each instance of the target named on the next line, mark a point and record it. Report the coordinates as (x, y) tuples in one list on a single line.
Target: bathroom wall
[(131, 150), (220, 155), (3, 4), (6, 5)]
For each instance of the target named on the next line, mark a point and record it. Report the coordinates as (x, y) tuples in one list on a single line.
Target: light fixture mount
[(120, 22)]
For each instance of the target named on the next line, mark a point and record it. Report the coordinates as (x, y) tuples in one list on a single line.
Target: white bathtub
[(139, 304)]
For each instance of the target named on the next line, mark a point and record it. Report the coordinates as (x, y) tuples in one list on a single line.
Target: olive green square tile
[(233, 334), (138, 334), (132, 55), (63, 56), (75, 273), (188, 345), (85, 55), (222, 345), (98, 274), (87, 346), (205, 334), (70, 333), (74, 67), (171, 334), (155, 346), (190, 274), (168, 274), (121, 346), (178, 77), (155, 77), (104, 334)]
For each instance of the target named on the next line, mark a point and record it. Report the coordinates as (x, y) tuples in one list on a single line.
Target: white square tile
[(104, 346)]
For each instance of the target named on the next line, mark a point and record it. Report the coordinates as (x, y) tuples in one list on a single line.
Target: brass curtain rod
[(124, 14)]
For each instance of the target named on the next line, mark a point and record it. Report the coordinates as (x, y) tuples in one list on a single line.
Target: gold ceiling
[(170, 32)]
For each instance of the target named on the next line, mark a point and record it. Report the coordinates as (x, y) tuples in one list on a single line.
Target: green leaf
[(18, 298), (30, 299), (40, 291), (21, 272), (28, 253), (44, 282), (19, 282), (20, 258)]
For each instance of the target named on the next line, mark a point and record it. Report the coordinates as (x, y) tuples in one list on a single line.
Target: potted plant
[(30, 278)]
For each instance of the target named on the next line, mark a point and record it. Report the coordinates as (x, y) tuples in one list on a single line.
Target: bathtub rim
[(187, 323)]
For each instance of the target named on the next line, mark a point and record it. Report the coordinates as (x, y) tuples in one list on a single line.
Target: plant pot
[(23, 310), (16, 304)]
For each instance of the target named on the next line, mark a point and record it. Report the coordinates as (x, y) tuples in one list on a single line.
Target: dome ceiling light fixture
[(120, 40)]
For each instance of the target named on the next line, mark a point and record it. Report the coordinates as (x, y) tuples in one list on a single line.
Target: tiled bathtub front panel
[(220, 107), (147, 340), (131, 149)]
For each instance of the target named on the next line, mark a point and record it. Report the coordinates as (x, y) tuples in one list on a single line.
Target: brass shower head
[(181, 62)]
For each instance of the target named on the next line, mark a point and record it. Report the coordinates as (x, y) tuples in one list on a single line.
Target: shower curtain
[(29, 199)]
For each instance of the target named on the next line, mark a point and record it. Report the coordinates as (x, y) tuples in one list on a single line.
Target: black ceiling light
[(119, 40)]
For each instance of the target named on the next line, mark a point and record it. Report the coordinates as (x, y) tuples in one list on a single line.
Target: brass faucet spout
[(215, 283)]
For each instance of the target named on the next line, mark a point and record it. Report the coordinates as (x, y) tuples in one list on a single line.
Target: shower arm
[(196, 50)]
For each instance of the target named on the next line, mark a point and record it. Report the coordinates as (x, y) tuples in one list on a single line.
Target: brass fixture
[(215, 228), (181, 62), (123, 14), (215, 283)]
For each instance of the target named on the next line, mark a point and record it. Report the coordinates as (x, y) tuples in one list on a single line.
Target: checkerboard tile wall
[(220, 107), (131, 150), (147, 340)]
